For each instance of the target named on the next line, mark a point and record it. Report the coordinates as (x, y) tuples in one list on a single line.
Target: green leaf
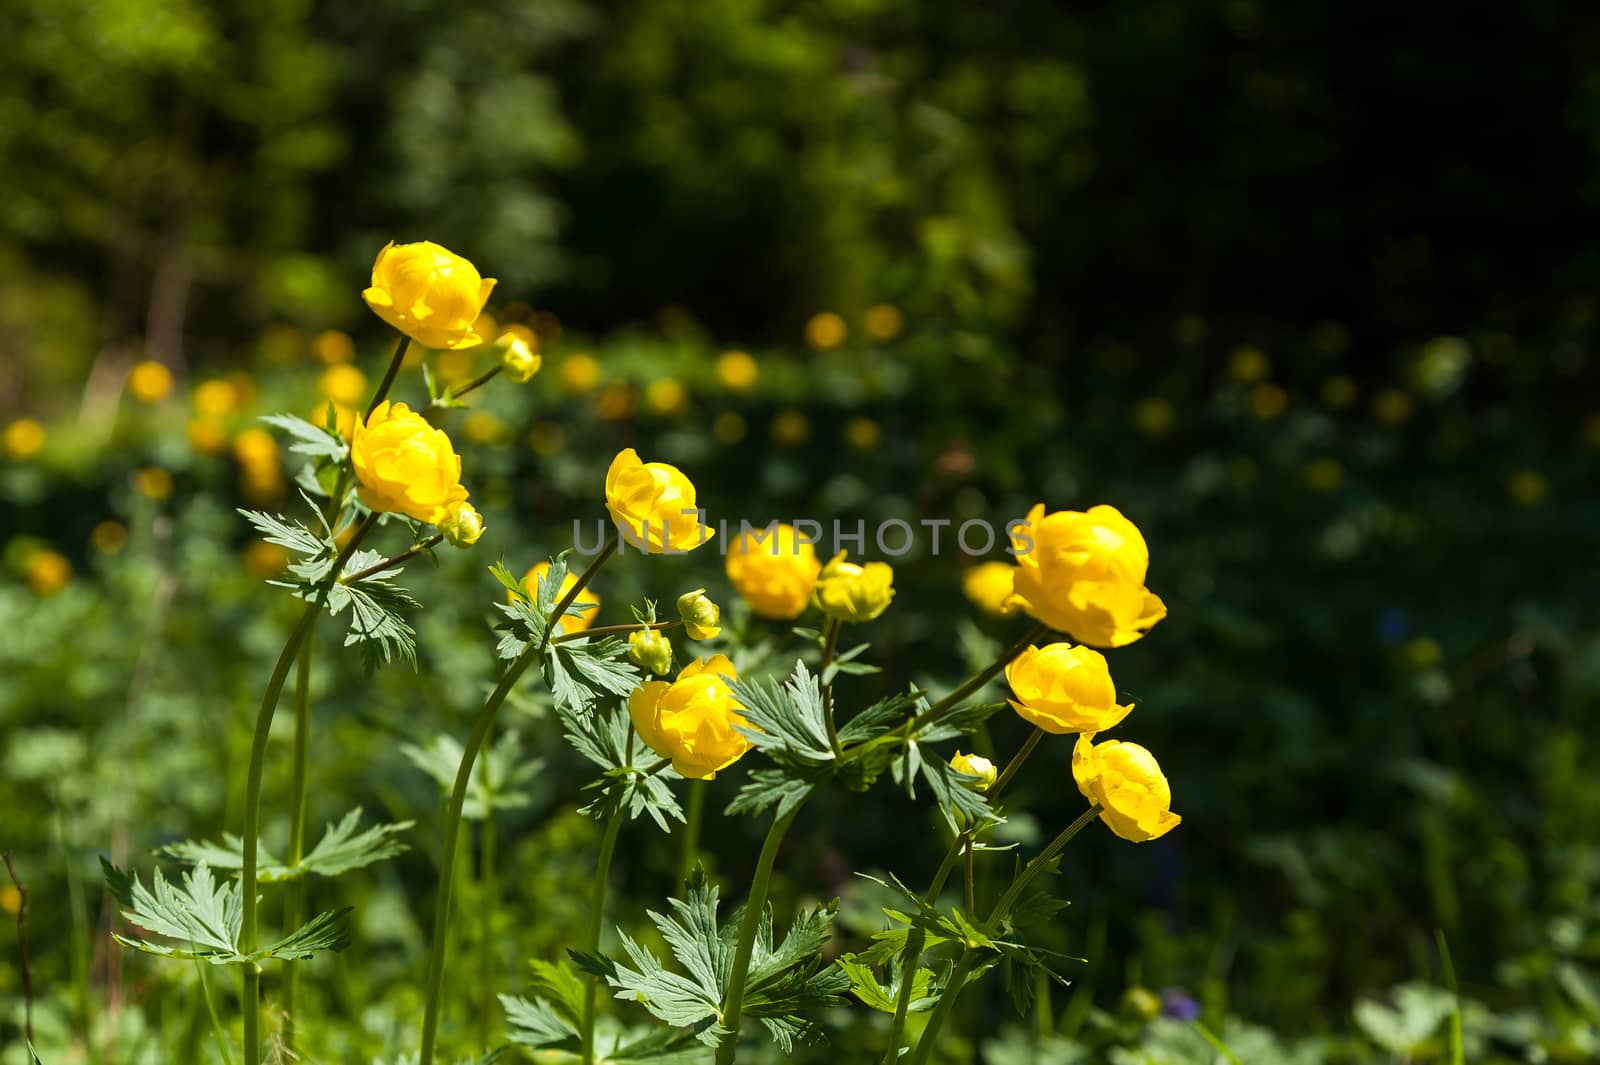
[(507, 769), (287, 533), (885, 997), (200, 911), (340, 849), (581, 674), (880, 717), (787, 721), (768, 787), (308, 439), (326, 931), (633, 779)]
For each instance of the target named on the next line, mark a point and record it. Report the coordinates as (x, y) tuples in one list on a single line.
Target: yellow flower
[(520, 359), (728, 427), (1248, 365), (23, 439), (774, 572), (737, 370), (694, 720), (256, 449), (1267, 401), (884, 321), (546, 439), (580, 373), (586, 598), (462, 526), (10, 898), (207, 436), (109, 537), (1083, 574), (333, 346), (863, 434), (826, 331), (344, 384), (216, 399), (149, 382), (1061, 688), (988, 585), (791, 428), (653, 505), (650, 651), (47, 572), (702, 619), (1324, 475), (666, 396), (153, 482), (1527, 488), (975, 765), (406, 466), (264, 560), (482, 427), (429, 293), (1338, 392), (853, 592), (616, 401), (1392, 406), (1154, 416), (1126, 782)]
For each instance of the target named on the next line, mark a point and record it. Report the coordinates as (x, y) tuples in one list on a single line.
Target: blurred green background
[(1307, 291)]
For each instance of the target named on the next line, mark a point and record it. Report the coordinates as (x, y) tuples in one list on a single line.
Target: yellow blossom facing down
[(653, 505), (702, 619), (1082, 573), (975, 765), (520, 359), (47, 572), (694, 720), (24, 438), (826, 331), (863, 434), (109, 537), (1061, 688), (853, 592), (988, 586), (737, 371), (333, 346), (580, 373), (586, 598), (1126, 782), (774, 572), (883, 321), (462, 526), (149, 382), (343, 384), (1527, 488), (429, 293), (217, 398), (153, 482), (667, 396), (406, 466), (207, 436), (651, 651), (264, 560), (791, 428)]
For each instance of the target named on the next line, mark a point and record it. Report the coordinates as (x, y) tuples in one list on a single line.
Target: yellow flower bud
[(570, 623), (462, 526), (774, 572), (1083, 574), (1126, 782), (651, 651), (149, 381), (1062, 688), (975, 765), (694, 720), (429, 293), (853, 592), (406, 466), (701, 617), (653, 505), (519, 358), (988, 586)]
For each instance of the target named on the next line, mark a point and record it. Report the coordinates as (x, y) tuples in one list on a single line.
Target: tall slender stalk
[(754, 907), (389, 375), (591, 942), (488, 903), (691, 831), (830, 644), (295, 894)]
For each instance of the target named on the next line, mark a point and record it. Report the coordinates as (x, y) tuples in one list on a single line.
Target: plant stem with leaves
[(754, 907), (597, 909)]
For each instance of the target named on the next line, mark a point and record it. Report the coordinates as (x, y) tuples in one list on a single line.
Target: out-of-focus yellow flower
[(546, 439), (1424, 652), (263, 560), (651, 651), (1392, 406), (548, 326), (109, 537), (47, 572), (153, 482), (617, 401), (482, 427), (256, 449), (453, 367), (485, 325), (580, 373), (406, 466), (702, 619), (737, 371), (1248, 364), (1061, 688), (333, 346), (1082, 573), (1141, 1003), (729, 427), (1126, 782), (1527, 488), (667, 396), (826, 331), (24, 438), (207, 436), (1338, 392), (10, 898), (1591, 430), (694, 720), (149, 381), (775, 571), (216, 398), (462, 525), (653, 505), (344, 419), (988, 585), (281, 343), (346, 385), (586, 598), (1324, 475), (884, 321), (1268, 401), (520, 358), (853, 592), (863, 434), (975, 765), (791, 428), (429, 293), (1154, 416)]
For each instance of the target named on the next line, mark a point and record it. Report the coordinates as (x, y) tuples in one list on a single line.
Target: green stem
[(252, 796), (612, 630), (560, 610), (754, 907), (397, 560), (295, 893), (388, 378), (597, 908), (477, 382), (217, 1030), (490, 891), (947, 1002), (691, 831), (830, 643)]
